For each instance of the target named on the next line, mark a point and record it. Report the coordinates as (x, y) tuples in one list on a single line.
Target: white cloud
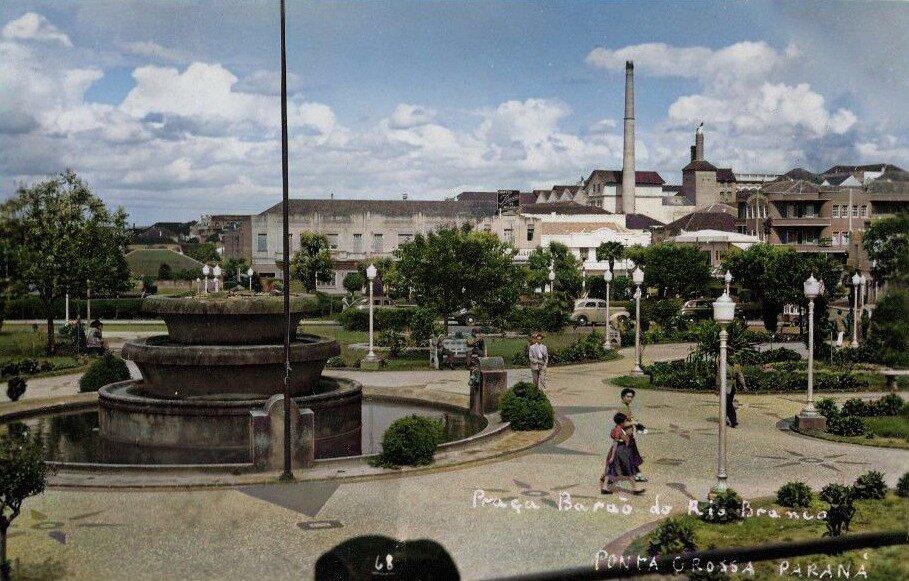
[(268, 83), (31, 26), (156, 51), (406, 116)]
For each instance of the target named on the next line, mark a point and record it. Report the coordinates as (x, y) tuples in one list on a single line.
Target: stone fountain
[(211, 388)]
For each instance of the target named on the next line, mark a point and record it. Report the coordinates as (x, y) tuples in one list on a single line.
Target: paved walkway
[(278, 531)]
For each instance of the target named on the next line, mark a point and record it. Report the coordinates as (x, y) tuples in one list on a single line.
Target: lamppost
[(552, 277), (723, 313), (249, 273), (88, 300), (583, 279), (198, 284), (607, 276), (863, 296), (728, 279), (809, 418), (205, 272), (856, 281), (67, 307), (637, 277), (216, 272), (371, 275)]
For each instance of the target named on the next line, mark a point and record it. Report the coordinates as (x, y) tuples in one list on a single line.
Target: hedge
[(410, 441), (395, 318), (105, 370), (112, 308), (526, 407)]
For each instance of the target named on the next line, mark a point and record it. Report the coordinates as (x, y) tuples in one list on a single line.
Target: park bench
[(892, 374)]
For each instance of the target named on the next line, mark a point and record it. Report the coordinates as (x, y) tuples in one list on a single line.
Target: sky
[(171, 109)]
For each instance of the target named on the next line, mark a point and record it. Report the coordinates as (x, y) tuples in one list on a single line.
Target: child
[(620, 461), (627, 399)]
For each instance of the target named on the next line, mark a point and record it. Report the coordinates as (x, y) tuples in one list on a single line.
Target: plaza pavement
[(277, 531)]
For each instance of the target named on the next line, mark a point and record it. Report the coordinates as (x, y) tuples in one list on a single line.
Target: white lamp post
[(723, 313), (863, 295), (371, 275), (728, 279), (809, 417), (637, 277), (205, 272), (67, 307), (249, 273), (216, 272), (856, 281), (552, 277), (88, 300), (198, 284), (607, 276), (583, 279)]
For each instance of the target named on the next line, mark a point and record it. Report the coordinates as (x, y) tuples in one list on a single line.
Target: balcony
[(820, 248), (815, 221)]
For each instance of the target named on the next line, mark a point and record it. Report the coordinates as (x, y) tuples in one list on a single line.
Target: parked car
[(462, 317), (377, 302), (593, 312), (696, 309)]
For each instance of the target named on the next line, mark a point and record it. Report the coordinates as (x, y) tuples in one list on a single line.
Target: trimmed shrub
[(794, 494), (336, 361), (422, 325), (869, 485), (410, 441), (889, 405), (393, 340), (846, 426), (24, 367), (396, 318), (827, 408), (521, 358), (779, 355), (106, 369), (674, 535), (902, 486), (724, 507), (526, 407), (15, 388), (855, 407), (841, 511), (587, 348)]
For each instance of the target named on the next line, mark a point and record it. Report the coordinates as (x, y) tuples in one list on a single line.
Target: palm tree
[(610, 251)]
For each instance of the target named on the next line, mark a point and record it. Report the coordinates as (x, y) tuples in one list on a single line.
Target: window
[(404, 238), (864, 211), (262, 242), (855, 211), (377, 245), (530, 232), (332, 241), (585, 254), (358, 243), (740, 229), (836, 210), (509, 235)]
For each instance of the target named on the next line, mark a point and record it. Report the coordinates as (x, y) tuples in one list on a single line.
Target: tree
[(165, 272), (313, 262), (887, 244), (23, 473), (674, 270), (566, 265), (610, 251), (888, 333), (384, 283), (203, 252), (354, 282), (64, 236), (452, 269)]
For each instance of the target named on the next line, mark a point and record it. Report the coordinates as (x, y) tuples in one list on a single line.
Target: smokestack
[(699, 143), (694, 153), (628, 150)]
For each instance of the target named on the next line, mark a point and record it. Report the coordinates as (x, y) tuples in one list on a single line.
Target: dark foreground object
[(376, 557)]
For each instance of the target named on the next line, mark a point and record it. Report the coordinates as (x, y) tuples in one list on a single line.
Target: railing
[(670, 564)]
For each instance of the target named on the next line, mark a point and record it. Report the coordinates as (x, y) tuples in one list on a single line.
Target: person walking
[(539, 360), (620, 461), (633, 416)]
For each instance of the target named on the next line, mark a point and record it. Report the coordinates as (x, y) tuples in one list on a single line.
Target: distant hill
[(145, 261)]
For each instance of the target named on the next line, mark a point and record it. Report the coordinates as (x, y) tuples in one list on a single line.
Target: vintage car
[(593, 312)]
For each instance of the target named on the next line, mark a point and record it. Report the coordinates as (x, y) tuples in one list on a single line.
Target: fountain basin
[(176, 371), (225, 320)]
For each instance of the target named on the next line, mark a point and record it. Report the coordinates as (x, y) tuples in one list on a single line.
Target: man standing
[(539, 361)]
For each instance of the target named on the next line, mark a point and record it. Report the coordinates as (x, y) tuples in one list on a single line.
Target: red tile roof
[(643, 178)]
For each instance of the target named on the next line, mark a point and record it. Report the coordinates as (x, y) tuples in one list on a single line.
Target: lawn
[(889, 432), (147, 261), (884, 564)]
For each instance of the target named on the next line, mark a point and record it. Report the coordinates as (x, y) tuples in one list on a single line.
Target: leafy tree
[(610, 251), (203, 252), (888, 333), (165, 272), (675, 270), (452, 269), (354, 282), (567, 268), (887, 244), (313, 262), (23, 473), (384, 283), (62, 237)]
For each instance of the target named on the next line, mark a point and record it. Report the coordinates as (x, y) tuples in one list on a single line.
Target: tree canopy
[(23, 473), (313, 262), (452, 269), (610, 251), (63, 236), (567, 269), (675, 270), (887, 243)]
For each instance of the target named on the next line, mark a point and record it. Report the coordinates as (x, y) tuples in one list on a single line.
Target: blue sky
[(170, 109)]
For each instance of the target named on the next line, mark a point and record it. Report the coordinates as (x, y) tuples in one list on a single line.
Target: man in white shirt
[(539, 361)]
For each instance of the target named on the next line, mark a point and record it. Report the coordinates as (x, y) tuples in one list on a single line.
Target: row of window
[(842, 211), (378, 242)]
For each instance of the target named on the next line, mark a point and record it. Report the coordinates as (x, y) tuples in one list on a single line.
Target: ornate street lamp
[(809, 418), (637, 277), (88, 300), (607, 276), (856, 281), (371, 273), (723, 314), (728, 279), (206, 270), (863, 294), (552, 277), (216, 272), (249, 273)]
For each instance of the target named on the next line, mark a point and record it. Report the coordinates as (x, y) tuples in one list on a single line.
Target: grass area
[(884, 564), (642, 382), (147, 261), (35, 555), (889, 432), (888, 426)]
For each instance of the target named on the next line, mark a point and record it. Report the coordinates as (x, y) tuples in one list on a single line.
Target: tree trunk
[(50, 330), (4, 567)]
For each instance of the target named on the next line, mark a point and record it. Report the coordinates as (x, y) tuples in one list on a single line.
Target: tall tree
[(675, 270), (452, 269), (23, 473), (567, 269), (312, 263), (887, 244), (63, 237), (610, 251)]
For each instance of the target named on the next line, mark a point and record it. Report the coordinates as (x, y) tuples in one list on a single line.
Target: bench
[(892, 374)]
